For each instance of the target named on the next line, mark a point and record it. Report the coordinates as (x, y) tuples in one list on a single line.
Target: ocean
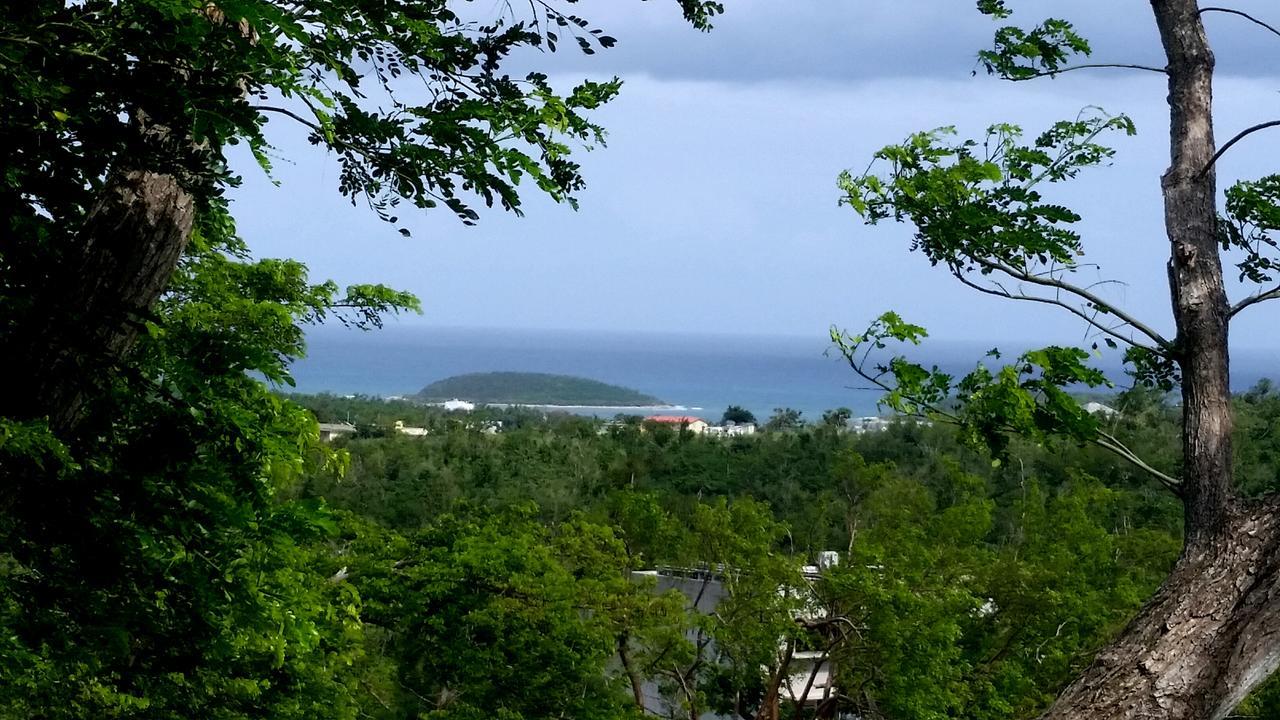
[(702, 374)]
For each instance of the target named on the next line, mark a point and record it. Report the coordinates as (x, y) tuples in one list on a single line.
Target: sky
[(713, 209)]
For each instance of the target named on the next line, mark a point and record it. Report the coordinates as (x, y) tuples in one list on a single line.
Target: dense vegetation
[(977, 587), (525, 388)]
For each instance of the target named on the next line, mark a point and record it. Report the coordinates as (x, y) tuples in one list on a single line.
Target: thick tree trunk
[(1203, 642), (1212, 632), (99, 296)]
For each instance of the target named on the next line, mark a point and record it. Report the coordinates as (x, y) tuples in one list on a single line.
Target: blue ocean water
[(705, 373)]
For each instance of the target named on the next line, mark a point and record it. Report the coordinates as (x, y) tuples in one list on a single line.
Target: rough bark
[(1203, 642), (1209, 636), (93, 310)]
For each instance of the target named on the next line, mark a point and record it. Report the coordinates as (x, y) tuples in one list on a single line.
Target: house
[(810, 675), (692, 424), (456, 405), (329, 431), (731, 429), (1097, 408), (410, 431)]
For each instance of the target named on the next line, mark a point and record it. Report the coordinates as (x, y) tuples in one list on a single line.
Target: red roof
[(674, 419)]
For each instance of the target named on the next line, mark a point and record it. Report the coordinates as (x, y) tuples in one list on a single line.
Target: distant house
[(693, 424), (810, 679), (870, 424), (410, 431), (1097, 408), (456, 405), (329, 431), (731, 429)]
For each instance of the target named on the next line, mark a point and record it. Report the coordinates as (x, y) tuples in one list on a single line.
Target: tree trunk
[(99, 295), (1209, 636), (1205, 640)]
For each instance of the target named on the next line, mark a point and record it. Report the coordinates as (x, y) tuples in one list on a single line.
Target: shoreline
[(620, 408)]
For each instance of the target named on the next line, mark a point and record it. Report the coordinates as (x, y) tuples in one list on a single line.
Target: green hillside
[(519, 388)]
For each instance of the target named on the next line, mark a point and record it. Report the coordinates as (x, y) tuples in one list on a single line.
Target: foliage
[(963, 579), (737, 414), (169, 570)]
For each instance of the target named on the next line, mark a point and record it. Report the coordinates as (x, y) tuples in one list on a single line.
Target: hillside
[(519, 388)]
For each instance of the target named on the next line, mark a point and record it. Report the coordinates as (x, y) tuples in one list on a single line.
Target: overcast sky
[(713, 208)]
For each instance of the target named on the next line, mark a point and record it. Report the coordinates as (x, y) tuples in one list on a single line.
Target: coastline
[(618, 408)]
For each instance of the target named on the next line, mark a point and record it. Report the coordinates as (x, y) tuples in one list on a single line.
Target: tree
[(837, 418), (737, 414), (784, 419), (154, 558), (125, 111), (1206, 638)]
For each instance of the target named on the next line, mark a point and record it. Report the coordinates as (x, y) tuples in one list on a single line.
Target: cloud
[(714, 210), (766, 40)]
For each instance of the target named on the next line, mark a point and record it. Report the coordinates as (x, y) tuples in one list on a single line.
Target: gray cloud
[(762, 40)]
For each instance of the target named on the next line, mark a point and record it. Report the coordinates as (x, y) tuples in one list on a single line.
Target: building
[(456, 405), (329, 431), (809, 680), (688, 422), (731, 429), (410, 431), (1097, 408)]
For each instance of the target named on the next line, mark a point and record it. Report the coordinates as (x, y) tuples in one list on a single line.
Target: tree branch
[(1109, 442), (1244, 15), (1271, 294), (1084, 294), (1242, 135), (287, 113), (1092, 321), (1091, 66), (1103, 440)]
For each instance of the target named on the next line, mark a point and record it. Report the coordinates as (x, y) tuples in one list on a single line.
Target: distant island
[(521, 388)]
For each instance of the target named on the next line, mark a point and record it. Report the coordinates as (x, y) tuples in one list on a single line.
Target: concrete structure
[(329, 431)]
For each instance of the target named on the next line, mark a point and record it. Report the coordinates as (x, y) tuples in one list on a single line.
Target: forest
[(977, 584)]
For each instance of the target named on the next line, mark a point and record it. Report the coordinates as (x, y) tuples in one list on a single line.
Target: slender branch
[(1091, 66), (1244, 15), (1086, 295), (1103, 440), (1271, 294), (287, 113), (1242, 135), (1092, 321), (1109, 442)]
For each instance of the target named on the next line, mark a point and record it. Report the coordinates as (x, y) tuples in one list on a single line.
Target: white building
[(456, 405), (411, 431), (1097, 408), (329, 431)]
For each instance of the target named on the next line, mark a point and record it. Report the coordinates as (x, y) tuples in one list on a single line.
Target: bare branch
[(1109, 442), (1242, 135), (1091, 66), (1084, 294), (1244, 15), (1091, 320), (1271, 294)]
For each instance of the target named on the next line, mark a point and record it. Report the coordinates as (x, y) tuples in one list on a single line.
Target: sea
[(695, 374)]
